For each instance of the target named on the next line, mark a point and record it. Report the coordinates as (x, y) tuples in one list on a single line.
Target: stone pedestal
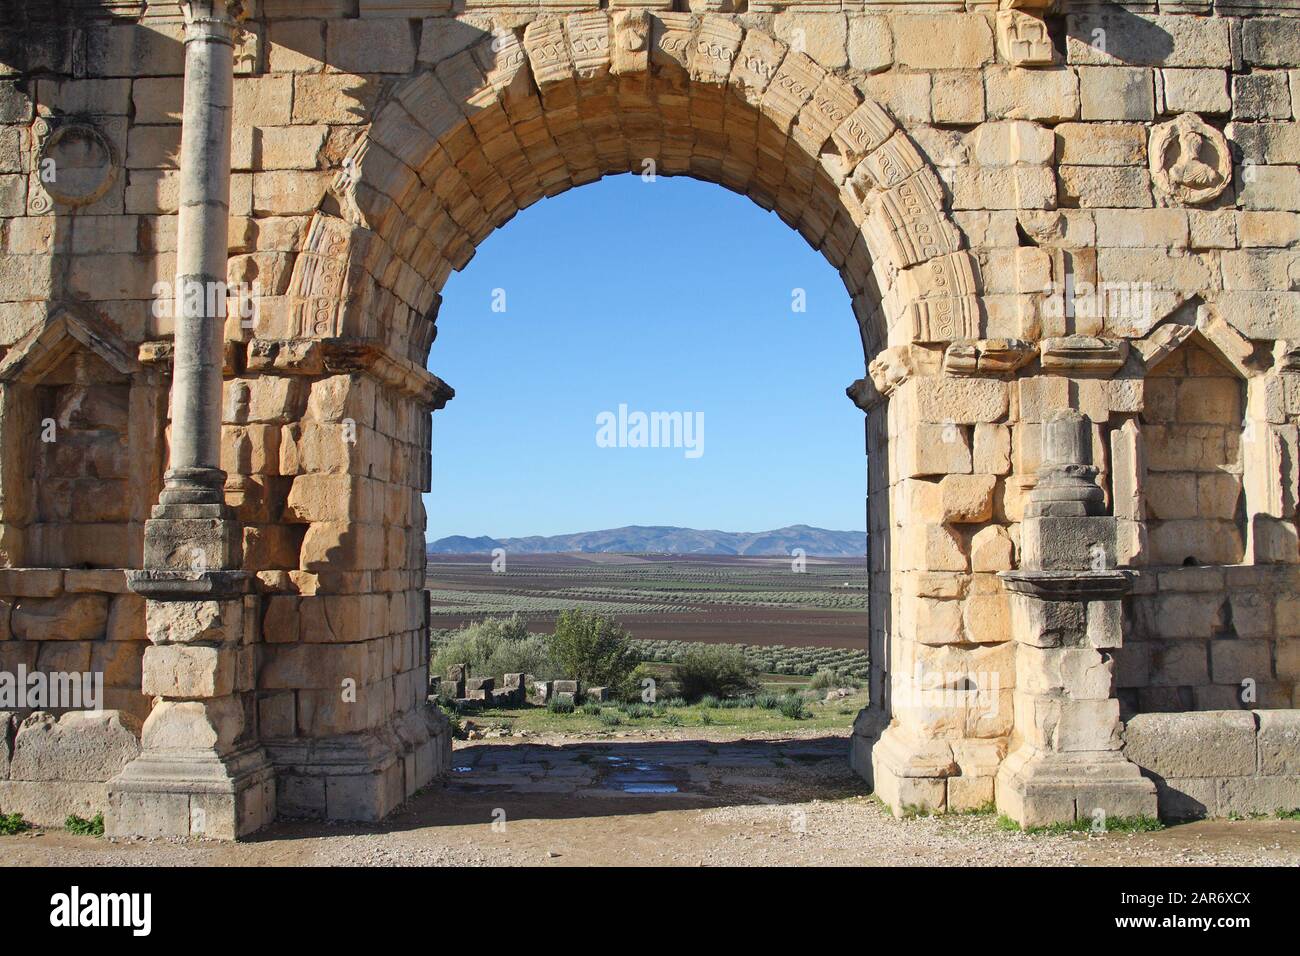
[(201, 771), (1067, 762), (362, 776)]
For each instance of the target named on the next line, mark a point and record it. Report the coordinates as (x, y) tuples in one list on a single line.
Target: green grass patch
[(1086, 825), (665, 714), (1288, 814), (83, 827)]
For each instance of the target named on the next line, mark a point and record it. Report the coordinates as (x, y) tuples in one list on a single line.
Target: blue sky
[(672, 295)]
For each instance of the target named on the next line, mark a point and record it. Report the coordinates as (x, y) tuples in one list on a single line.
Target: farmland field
[(759, 602)]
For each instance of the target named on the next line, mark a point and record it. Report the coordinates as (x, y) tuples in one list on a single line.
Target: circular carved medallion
[(76, 165), (1189, 160)]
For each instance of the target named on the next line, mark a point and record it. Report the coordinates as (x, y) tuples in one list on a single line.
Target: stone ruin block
[(598, 694), (61, 767), (539, 691), (457, 672), (486, 684), (571, 687)]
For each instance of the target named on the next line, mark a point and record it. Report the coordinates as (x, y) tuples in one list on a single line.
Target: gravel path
[(785, 799)]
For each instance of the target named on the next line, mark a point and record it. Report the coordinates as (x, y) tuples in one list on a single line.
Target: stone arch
[(506, 118), (503, 119)]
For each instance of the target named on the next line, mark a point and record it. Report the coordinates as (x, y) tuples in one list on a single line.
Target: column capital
[(214, 19)]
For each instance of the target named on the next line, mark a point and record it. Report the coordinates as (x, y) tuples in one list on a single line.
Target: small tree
[(592, 648)]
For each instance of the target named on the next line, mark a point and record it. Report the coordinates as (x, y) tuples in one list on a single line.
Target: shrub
[(824, 680), (718, 670), (560, 705), (591, 710), (709, 701), (12, 823), (767, 701), (493, 647), (594, 649), (792, 706), (637, 711), (83, 827), (830, 678), (673, 720), (610, 719)]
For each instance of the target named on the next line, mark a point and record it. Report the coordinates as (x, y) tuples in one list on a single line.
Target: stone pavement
[(699, 770)]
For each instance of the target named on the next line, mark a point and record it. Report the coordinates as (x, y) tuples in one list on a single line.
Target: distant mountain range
[(639, 539)]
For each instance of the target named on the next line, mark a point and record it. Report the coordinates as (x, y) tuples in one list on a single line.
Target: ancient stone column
[(1067, 763), (202, 770), (192, 527)]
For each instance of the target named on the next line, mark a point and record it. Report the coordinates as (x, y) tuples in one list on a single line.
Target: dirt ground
[(689, 798)]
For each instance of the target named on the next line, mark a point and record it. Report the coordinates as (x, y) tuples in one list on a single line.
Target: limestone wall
[(74, 622), (1219, 763), (1094, 208), (1205, 638)]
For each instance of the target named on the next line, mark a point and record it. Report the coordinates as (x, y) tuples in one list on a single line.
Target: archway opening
[(743, 531)]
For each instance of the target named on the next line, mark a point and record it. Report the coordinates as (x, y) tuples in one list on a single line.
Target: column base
[(909, 775), (1036, 788), (361, 777), (200, 794)]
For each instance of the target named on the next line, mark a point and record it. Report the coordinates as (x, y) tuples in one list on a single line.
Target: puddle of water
[(639, 777), (648, 788), (461, 769)]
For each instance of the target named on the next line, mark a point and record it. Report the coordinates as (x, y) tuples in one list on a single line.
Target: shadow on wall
[(1117, 34)]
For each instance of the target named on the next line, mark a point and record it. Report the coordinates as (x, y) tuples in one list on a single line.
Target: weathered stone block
[(1044, 95), (1208, 744), (1279, 742), (1116, 93), (1246, 795), (189, 671), (933, 450), (968, 41), (194, 622), (1233, 661), (79, 617), (80, 745)]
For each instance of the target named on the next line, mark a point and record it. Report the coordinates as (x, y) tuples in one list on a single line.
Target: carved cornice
[(1068, 585), (314, 357), (1083, 354), (371, 357), (988, 357)]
